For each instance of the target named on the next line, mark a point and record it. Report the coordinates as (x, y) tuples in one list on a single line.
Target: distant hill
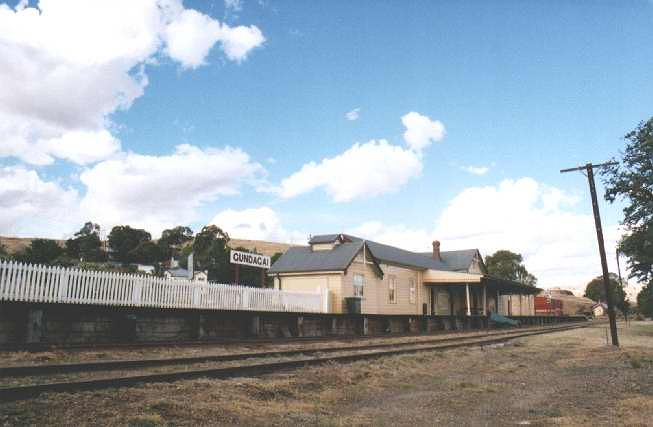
[(261, 246), (17, 244)]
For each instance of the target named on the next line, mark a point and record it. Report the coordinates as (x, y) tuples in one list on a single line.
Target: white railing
[(40, 283)]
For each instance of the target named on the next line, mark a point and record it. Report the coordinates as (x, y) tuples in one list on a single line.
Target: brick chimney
[(436, 249)]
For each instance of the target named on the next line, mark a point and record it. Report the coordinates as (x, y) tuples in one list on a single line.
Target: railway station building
[(390, 280)]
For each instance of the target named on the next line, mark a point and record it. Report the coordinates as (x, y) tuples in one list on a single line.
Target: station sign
[(246, 258)]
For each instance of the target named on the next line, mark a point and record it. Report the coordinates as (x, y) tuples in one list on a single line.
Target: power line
[(589, 169)]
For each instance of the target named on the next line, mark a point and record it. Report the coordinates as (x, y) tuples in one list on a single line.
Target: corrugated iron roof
[(303, 259), (459, 260), (178, 272), (337, 259), (323, 238)]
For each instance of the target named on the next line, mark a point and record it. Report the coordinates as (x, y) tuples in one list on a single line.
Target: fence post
[(136, 292), (282, 298), (63, 286), (245, 298), (196, 295), (4, 266)]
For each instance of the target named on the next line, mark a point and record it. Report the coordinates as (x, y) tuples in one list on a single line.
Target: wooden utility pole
[(589, 168)]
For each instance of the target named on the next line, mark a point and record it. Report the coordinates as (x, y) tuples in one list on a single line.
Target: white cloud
[(261, 223), (539, 221), (190, 37), (82, 147), (353, 114), (421, 130), (369, 169), (398, 235), (155, 192), (364, 170), (68, 65), (476, 170), (30, 206), (151, 192), (237, 42), (233, 5)]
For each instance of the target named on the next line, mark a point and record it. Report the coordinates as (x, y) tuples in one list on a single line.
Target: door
[(442, 303)]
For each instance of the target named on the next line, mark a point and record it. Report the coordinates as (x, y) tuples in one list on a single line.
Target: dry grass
[(18, 244), (568, 378), (261, 246)]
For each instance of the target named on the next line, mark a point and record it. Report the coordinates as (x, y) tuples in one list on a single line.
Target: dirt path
[(567, 378)]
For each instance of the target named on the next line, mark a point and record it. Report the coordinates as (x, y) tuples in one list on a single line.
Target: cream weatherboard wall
[(376, 298), (517, 305), (310, 283), (375, 289)]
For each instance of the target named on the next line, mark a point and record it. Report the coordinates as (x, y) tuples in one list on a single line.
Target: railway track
[(203, 343), (368, 352), (31, 370)]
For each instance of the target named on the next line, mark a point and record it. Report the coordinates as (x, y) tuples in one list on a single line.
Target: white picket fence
[(41, 283)]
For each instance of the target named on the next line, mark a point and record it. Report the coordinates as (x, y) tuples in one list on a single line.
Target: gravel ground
[(104, 374), (566, 378), (21, 358)]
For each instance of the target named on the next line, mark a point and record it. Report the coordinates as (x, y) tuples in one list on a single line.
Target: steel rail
[(24, 392), (31, 370), (35, 347)]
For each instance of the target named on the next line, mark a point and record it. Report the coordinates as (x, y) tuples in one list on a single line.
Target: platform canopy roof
[(448, 278), (439, 277), (509, 286)]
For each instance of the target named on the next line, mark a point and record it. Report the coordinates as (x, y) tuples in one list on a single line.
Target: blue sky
[(529, 86), (522, 88)]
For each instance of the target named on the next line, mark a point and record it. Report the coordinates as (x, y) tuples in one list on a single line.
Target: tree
[(125, 243), (645, 300), (269, 281), (211, 253), (631, 180), (508, 265), (148, 252), (177, 236), (86, 245), (41, 251), (173, 239), (4, 254), (595, 290)]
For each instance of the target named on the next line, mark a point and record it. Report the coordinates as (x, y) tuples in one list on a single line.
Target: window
[(411, 290), (359, 283), (392, 289)]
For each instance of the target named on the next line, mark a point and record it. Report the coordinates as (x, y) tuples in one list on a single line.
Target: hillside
[(261, 246), (16, 244)]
